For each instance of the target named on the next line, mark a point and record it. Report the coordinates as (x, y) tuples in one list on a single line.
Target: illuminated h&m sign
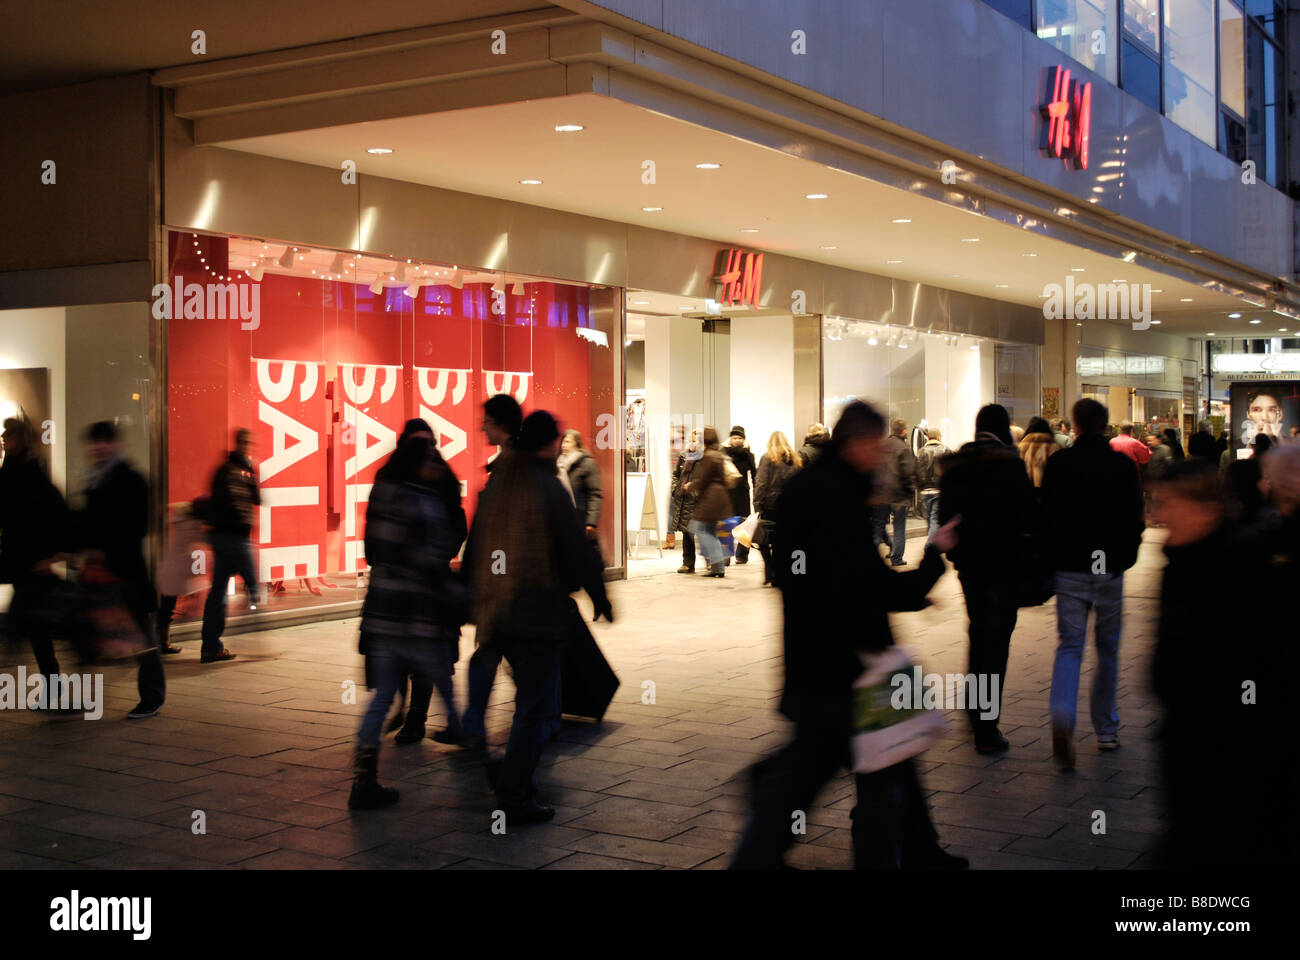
[(741, 277), (1068, 116)]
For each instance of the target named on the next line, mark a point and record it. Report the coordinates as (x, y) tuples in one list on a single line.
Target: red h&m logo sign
[(741, 276), (1069, 118)]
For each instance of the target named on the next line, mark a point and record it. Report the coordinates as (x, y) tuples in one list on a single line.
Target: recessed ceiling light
[(530, 182), (687, 307), (970, 239), (893, 261), (1130, 256), (1029, 254), (829, 246), (568, 127), (1078, 269), (1234, 316), (651, 209), (815, 196), (707, 165), (640, 303), (379, 151), (1157, 291), (954, 276), (1210, 334), (1185, 300), (1119, 281), (1156, 323), (1255, 321), (1281, 329), (1001, 286), (900, 220), (749, 229)]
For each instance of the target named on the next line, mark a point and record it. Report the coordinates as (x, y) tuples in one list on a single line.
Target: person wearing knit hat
[(743, 459)]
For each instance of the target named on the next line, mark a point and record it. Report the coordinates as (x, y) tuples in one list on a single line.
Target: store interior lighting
[(518, 289), (255, 271), (286, 258), (412, 289), (377, 285), (458, 279), (336, 267)]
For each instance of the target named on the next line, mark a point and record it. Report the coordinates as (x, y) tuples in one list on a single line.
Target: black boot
[(717, 570), (367, 794), (417, 711)]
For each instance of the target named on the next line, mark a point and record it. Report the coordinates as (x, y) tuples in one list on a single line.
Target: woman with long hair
[(526, 555), (1035, 447), (775, 467), (410, 539)]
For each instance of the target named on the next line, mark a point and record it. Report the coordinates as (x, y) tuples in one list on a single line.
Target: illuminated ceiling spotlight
[(286, 259), (377, 285), (255, 271), (412, 289), (400, 272)]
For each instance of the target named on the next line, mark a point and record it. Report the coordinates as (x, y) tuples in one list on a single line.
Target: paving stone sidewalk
[(262, 746)]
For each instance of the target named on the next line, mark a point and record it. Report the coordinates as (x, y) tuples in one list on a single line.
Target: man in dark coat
[(897, 481), (836, 607), (114, 522), (682, 500), (985, 482), (1093, 518), (743, 459), (814, 442), (33, 525), (232, 511)]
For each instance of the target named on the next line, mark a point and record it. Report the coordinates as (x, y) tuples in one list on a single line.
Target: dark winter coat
[(710, 482), (682, 501), (584, 481), (812, 448), (986, 482), (411, 536), (235, 497), (836, 596), (927, 464), (772, 478), (33, 517), (1092, 501), (543, 612), (115, 521), (743, 458), (898, 474)]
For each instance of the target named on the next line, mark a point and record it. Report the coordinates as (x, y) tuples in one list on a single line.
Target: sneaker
[(1108, 745), (685, 569), (1063, 748), (142, 711), (221, 655)]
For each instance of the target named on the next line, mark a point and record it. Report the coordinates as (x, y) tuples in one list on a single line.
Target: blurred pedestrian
[(1161, 458), (1093, 517), (743, 460), (683, 499), (1174, 443), (836, 603), (410, 538), (1202, 444), (927, 477), (231, 512), (526, 555), (1244, 488), (1061, 433), (775, 468), (184, 536), (502, 418), (1037, 445), (709, 482), (440, 482), (815, 440), (583, 475), (985, 483), (33, 534), (896, 485), (111, 528), (1226, 796)]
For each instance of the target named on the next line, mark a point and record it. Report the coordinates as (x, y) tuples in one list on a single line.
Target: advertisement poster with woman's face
[(1261, 408)]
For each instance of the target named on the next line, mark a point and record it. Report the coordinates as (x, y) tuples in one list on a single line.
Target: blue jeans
[(710, 545), (930, 511), (1076, 593), (536, 667), (390, 663), (232, 555), (879, 519), (483, 665)]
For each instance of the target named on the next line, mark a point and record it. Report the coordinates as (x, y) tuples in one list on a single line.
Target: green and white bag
[(883, 734)]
